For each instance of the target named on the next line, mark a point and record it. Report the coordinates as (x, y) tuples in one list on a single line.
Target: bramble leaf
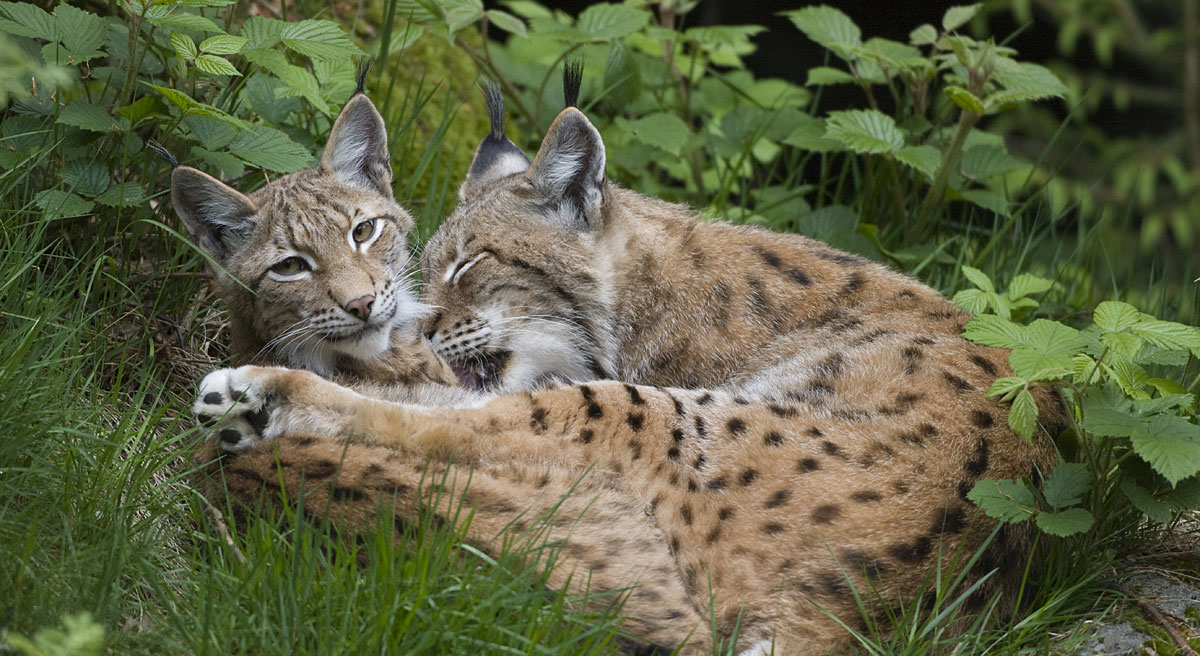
[(86, 178), (661, 130), (1066, 484), (971, 300), (223, 44), (823, 75), (507, 22), (609, 21), (991, 330), (185, 47), (214, 65), (1006, 500), (59, 204), (261, 32), (1115, 316), (122, 194), (1026, 284), (1151, 506), (956, 17), (1169, 334), (81, 32), (1071, 521), (865, 131), (27, 19), (89, 116), (925, 159), (1022, 416), (829, 27), (1102, 420), (978, 278), (1171, 445), (318, 39), (964, 99), (270, 149), (923, 35)]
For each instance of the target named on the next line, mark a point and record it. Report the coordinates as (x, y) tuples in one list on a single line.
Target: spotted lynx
[(761, 424)]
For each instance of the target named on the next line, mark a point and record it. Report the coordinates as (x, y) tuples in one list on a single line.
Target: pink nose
[(361, 306)]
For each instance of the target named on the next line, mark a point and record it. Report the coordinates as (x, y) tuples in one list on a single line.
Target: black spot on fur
[(957, 383), (673, 453), (978, 465), (691, 486), (678, 406), (911, 552), (594, 411), (833, 365), (826, 513), (677, 434), (923, 341), (767, 256), (704, 399), (815, 432), (701, 431), (700, 460), (866, 496), (832, 449), (773, 528), (321, 469), (859, 561), (782, 411), (833, 584), (634, 396), (748, 476), (537, 419), (853, 284), (912, 357), (713, 535), (685, 513), (984, 364), (586, 435), (799, 277), (717, 483), (635, 449), (725, 513), (779, 498), (635, 420), (950, 521), (348, 494), (808, 465), (963, 488), (736, 426), (982, 419), (773, 438), (214, 398)]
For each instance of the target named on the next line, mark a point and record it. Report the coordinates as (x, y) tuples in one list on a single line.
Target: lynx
[(761, 427)]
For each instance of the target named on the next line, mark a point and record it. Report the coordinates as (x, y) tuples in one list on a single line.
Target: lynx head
[(520, 272), (314, 265)]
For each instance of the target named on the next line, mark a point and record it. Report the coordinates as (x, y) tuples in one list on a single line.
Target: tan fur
[(795, 420)]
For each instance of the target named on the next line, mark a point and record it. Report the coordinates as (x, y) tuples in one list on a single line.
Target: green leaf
[(1123, 344), (1066, 523), (865, 131), (965, 99), (1115, 316), (1154, 508), (29, 20), (829, 27), (189, 106), (1022, 83), (971, 300), (212, 133), (978, 278), (1049, 344), (988, 200), (230, 166), (162, 16), (925, 159), (59, 204), (461, 13), (297, 81), (214, 65), (1007, 386), (1109, 422), (1169, 335), (85, 177), (261, 32), (609, 21), (956, 17), (83, 114), (81, 32), (123, 194), (1027, 284), (1170, 444), (185, 47), (319, 39), (822, 75), (507, 22), (270, 149), (991, 330), (923, 35), (1066, 484), (985, 161), (223, 44), (661, 130), (810, 135), (1022, 417), (1005, 500)]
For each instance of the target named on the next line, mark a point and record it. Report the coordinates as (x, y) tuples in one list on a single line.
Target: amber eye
[(290, 266), (363, 231)]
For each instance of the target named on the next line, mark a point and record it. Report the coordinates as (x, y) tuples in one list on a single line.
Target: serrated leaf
[(319, 39), (297, 81), (923, 35), (123, 194), (864, 131), (59, 204), (185, 47), (1072, 521), (1124, 344), (461, 13), (223, 44), (212, 133), (507, 22), (1027, 284), (1154, 508), (988, 200), (1049, 344), (1084, 370), (991, 330), (1115, 316), (823, 75), (215, 65), (661, 130), (982, 162), (230, 166), (1008, 385), (189, 106), (965, 99), (89, 116), (203, 3), (609, 21), (261, 32), (263, 93), (1022, 416), (810, 135), (29, 20), (1169, 334), (81, 32), (1173, 396), (925, 159), (1005, 500), (971, 300), (270, 149), (85, 177), (161, 16), (1032, 80), (1127, 374), (1066, 484), (1170, 444), (956, 17), (978, 278), (829, 27)]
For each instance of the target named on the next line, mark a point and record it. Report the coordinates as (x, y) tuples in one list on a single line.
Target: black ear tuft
[(572, 81), (496, 157), (357, 150), (162, 152), (364, 67), (220, 218)]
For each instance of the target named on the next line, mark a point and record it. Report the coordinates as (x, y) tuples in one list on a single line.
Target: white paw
[(234, 409)]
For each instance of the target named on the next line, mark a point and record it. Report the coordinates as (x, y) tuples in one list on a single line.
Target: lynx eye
[(290, 266), (363, 231)]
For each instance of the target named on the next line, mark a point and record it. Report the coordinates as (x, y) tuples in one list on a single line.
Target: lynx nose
[(361, 306)]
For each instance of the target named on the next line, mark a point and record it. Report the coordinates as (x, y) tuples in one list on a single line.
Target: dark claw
[(214, 398), (230, 436), (259, 419), (206, 420)]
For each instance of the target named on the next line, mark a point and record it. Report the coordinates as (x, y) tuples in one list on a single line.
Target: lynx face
[(317, 261), (519, 277)]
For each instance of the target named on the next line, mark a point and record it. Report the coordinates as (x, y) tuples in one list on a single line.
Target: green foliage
[(80, 636), (1121, 378)]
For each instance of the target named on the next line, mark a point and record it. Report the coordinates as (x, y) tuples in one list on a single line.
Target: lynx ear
[(357, 150), (219, 217), (569, 169), (496, 157)]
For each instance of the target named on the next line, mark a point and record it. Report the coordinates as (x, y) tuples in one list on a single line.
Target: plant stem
[(966, 121)]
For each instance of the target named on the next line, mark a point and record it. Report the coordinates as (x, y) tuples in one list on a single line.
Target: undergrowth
[(106, 321)]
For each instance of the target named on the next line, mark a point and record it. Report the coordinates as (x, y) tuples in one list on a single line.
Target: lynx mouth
[(482, 370)]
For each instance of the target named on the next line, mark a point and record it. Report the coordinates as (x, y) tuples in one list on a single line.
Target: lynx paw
[(234, 407)]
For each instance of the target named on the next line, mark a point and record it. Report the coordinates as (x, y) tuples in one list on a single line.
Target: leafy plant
[(1122, 377)]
